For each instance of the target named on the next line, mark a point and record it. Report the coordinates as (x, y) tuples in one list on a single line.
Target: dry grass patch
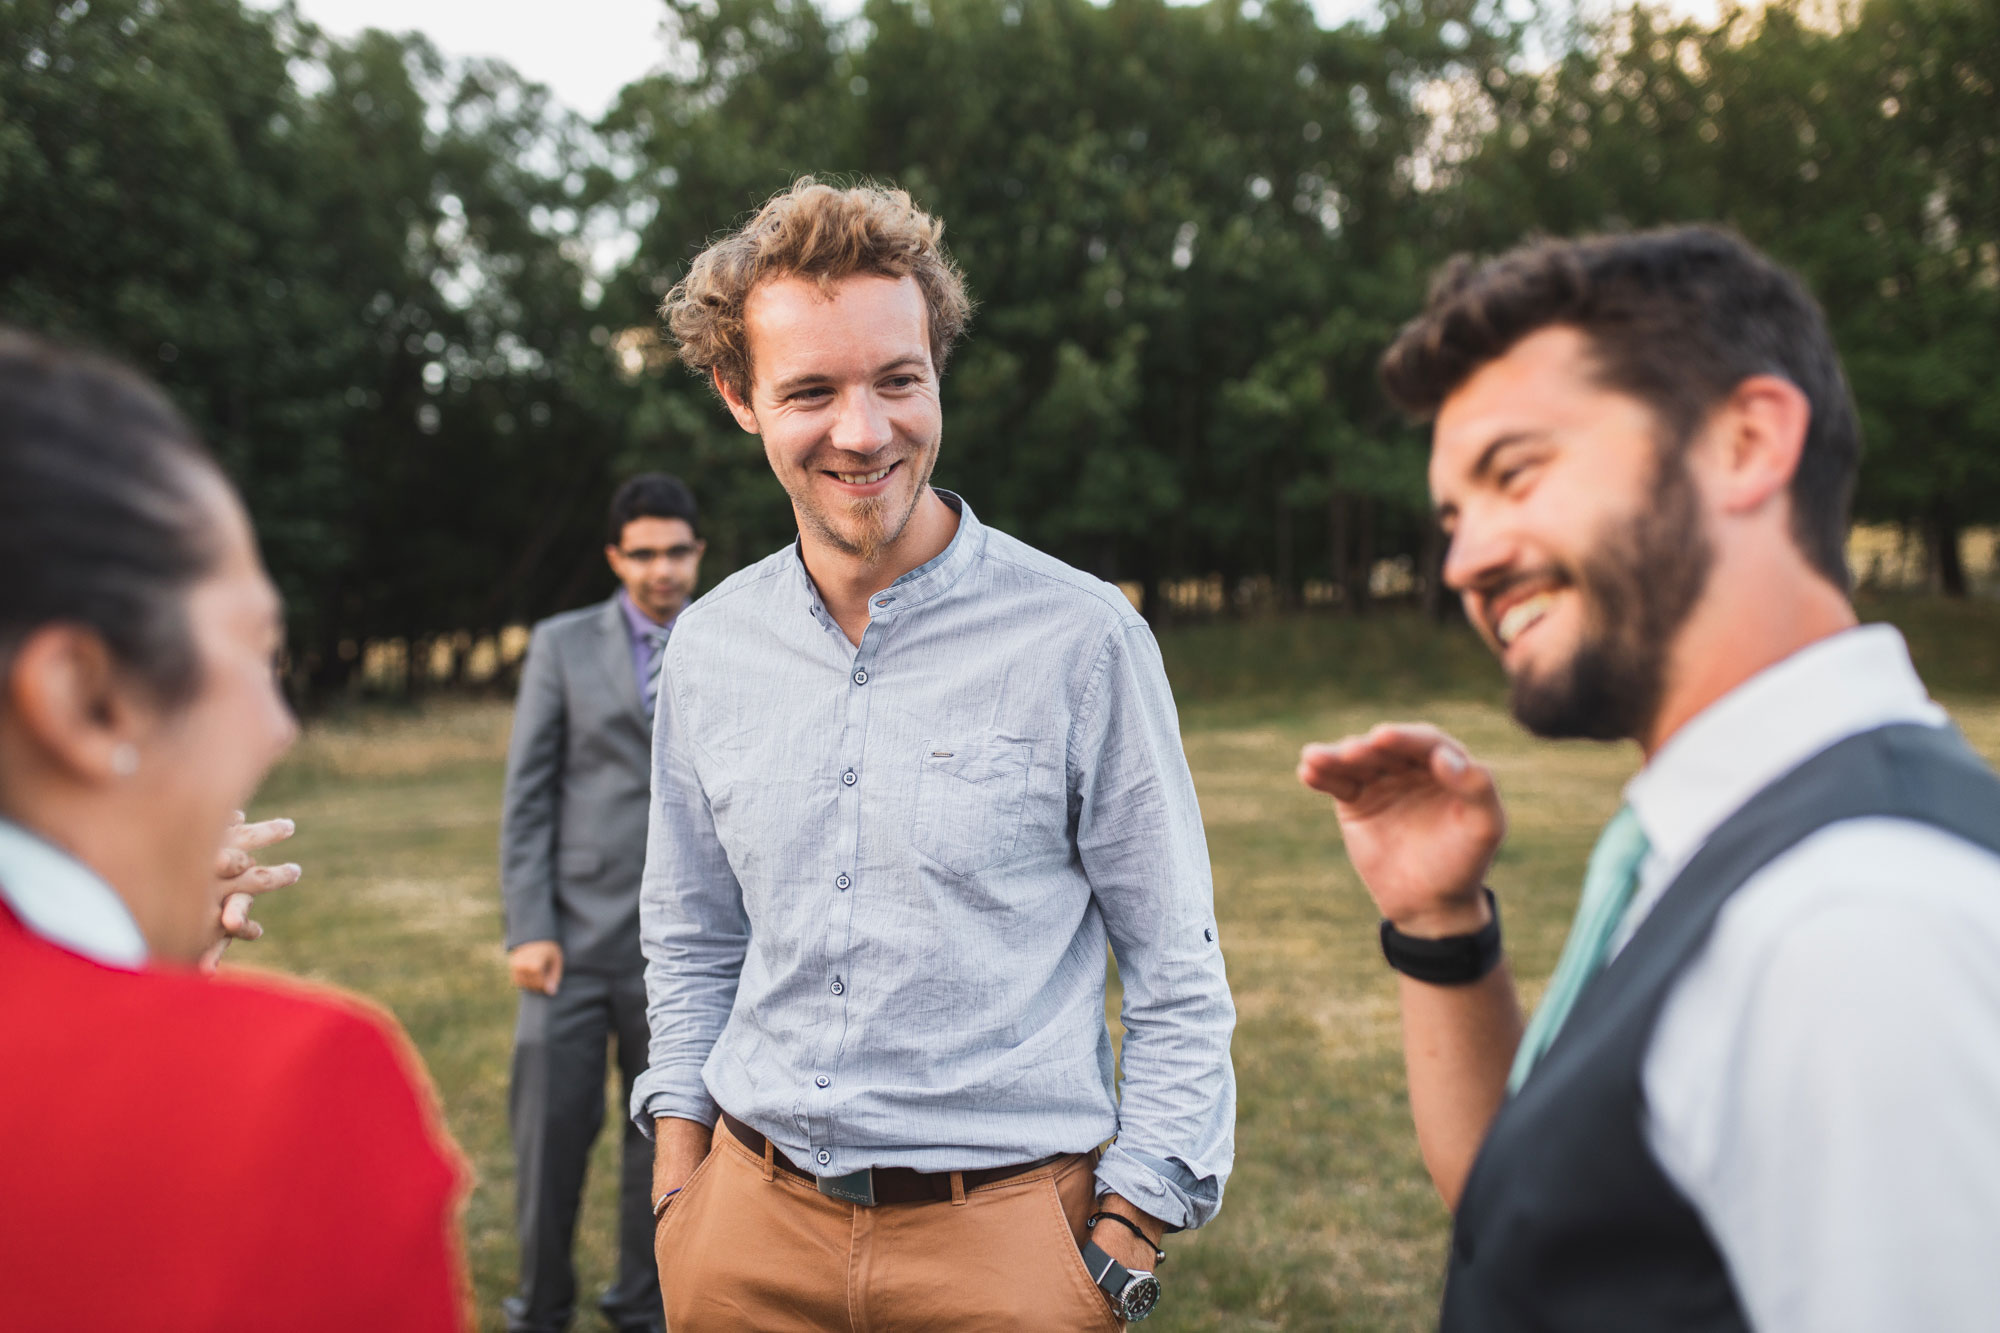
[(1329, 1224)]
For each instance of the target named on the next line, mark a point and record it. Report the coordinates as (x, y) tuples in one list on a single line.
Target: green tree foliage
[(391, 291), (347, 263), (1866, 156), (1188, 228)]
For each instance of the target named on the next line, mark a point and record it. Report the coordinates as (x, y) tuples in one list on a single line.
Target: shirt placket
[(850, 776)]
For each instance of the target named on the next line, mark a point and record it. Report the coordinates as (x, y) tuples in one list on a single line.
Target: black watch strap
[(1132, 1295), (1109, 1275), (1456, 960)]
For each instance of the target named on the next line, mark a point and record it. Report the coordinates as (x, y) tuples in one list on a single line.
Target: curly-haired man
[(910, 777)]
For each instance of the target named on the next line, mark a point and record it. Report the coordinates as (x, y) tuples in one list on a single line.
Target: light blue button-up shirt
[(880, 880)]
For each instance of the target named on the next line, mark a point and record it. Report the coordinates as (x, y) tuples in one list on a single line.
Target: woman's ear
[(74, 705)]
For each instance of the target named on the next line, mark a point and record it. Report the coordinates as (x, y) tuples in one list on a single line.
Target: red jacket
[(188, 1153)]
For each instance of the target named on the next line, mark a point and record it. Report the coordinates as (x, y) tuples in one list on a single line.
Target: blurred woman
[(176, 1151)]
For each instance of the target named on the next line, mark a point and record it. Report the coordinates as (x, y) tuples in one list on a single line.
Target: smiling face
[(1578, 543), (204, 758), (845, 396)]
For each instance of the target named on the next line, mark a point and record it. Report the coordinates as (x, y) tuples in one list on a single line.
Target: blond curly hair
[(817, 231)]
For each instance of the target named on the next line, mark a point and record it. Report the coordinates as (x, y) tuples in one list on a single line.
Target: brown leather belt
[(883, 1184)]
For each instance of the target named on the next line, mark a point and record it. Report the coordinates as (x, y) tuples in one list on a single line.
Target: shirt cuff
[(1166, 1190), (656, 1096)]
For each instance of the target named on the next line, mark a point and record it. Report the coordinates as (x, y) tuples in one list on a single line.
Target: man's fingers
[(1326, 772), (1458, 774), (261, 834), (552, 974), (1345, 767), (1409, 742)]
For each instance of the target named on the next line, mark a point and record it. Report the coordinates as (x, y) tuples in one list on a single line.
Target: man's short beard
[(877, 533), (874, 534), (1638, 586)]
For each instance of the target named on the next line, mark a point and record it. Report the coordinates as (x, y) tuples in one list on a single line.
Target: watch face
[(1141, 1294)]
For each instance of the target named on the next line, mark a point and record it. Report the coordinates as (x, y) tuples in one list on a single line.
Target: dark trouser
[(556, 1107)]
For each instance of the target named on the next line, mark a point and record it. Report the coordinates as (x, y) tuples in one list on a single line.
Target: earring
[(125, 759)]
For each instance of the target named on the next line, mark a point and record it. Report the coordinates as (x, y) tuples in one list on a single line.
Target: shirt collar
[(927, 580), (1851, 682), (63, 901)]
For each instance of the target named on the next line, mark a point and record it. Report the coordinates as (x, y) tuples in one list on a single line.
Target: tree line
[(411, 301)]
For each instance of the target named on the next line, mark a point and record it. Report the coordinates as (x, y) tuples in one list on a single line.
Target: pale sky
[(585, 51)]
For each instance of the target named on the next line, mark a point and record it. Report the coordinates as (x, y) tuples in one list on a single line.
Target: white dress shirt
[(1824, 1083), (62, 900)]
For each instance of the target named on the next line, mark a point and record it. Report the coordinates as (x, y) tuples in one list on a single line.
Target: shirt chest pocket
[(971, 796)]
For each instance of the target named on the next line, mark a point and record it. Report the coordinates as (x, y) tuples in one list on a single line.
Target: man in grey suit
[(572, 846)]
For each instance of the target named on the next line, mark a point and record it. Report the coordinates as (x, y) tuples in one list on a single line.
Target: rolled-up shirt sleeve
[(1139, 835), (692, 927)]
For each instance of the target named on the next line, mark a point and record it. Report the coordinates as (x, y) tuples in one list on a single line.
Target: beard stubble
[(1639, 584)]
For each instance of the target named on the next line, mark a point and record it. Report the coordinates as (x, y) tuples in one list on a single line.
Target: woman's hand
[(240, 880)]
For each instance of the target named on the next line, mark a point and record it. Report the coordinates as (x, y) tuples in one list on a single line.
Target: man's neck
[(1743, 627), (846, 581), (647, 611)]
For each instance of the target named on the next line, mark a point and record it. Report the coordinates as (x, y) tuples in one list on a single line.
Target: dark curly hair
[(1677, 318)]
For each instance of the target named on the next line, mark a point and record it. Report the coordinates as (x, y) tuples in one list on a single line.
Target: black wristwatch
[(1133, 1294)]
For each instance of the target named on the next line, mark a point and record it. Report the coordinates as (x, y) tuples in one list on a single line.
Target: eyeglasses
[(651, 555)]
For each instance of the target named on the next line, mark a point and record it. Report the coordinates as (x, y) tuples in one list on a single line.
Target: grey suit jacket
[(573, 826)]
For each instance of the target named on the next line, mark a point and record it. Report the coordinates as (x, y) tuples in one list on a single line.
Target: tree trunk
[(1947, 564), (1153, 598), (1338, 538), (1437, 602), (1364, 555), (1285, 594)]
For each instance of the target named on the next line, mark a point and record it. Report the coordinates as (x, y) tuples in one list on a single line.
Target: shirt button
[(839, 988), (1209, 934), (823, 1157), (861, 677), (822, 1081), (842, 882), (847, 778)]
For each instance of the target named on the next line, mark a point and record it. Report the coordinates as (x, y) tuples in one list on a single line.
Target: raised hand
[(240, 879), (1420, 819)]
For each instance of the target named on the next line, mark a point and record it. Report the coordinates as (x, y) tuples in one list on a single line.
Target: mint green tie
[(1607, 892)]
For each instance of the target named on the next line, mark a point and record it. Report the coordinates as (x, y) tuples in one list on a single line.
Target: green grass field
[(1329, 1222)]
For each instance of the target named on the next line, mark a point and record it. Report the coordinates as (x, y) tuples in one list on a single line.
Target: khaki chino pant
[(747, 1245)]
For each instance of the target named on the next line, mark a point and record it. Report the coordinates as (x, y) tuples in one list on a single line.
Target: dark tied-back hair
[(102, 521), (651, 495), (1677, 318)]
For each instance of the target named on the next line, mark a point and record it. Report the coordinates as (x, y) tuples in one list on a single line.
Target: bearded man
[(910, 776), (1761, 1088)]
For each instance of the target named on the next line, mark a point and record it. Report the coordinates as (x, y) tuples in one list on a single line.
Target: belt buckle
[(856, 1187)]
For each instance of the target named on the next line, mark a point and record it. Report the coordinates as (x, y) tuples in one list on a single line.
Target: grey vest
[(1567, 1221)]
